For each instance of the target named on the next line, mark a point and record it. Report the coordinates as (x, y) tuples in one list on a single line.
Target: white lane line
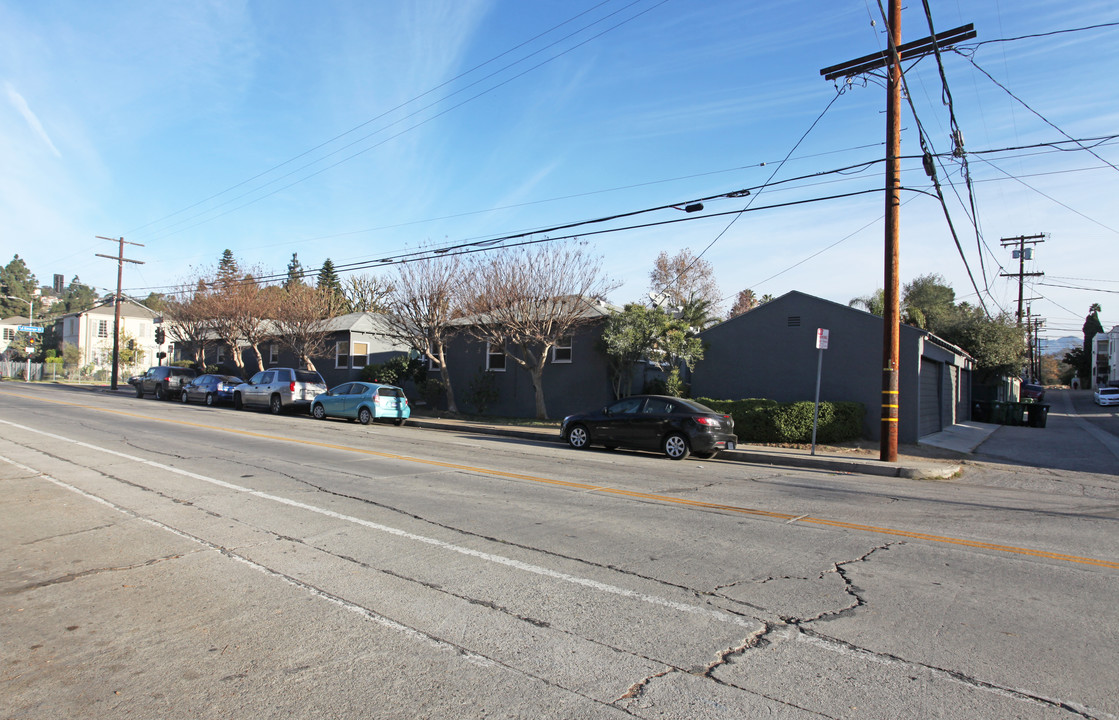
[(488, 557), (322, 594)]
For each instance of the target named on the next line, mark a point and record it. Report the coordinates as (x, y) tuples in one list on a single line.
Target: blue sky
[(360, 130)]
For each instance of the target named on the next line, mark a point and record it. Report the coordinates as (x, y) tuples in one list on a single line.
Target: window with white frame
[(360, 355), (221, 355), (561, 351), (102, 328), (9, 334), (341, 354), (273, 353), (432, 364), (495, 358)]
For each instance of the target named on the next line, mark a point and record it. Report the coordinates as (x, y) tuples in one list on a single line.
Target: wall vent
[(794, 321)]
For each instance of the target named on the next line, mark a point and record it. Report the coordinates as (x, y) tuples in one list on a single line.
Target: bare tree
[(187, 320), (683, 278), (419, 308), (743, 303), (525, 300), (301, 321), (366, 293), (258, 305)]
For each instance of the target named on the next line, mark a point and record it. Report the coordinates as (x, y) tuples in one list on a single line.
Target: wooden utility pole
[(121, 260), (1022, 256), (891, 60)]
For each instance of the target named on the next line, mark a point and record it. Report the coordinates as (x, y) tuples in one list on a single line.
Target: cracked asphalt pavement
[(161, 560)]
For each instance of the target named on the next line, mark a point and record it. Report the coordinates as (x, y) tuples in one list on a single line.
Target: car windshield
[(693, 406), (308, 376), (1109, 391)]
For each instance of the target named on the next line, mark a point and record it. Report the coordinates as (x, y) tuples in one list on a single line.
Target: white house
[(92, 332), (1105, 358), (9, 327)]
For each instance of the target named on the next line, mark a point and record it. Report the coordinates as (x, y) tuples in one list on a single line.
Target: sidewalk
[(826, 458), (959, 439)]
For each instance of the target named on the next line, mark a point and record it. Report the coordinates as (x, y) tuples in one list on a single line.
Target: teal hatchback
[(362, 401)]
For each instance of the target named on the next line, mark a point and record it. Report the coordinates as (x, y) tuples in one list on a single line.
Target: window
[(431, 364), (656, 406), (221, 355), (627, 406), (341, 354), (273, 353), (495, 358), (102, 328), (360, 354), (561, 351), (9, 334)]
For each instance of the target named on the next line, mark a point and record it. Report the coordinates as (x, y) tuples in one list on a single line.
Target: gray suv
[(164, 381), (278, 389)]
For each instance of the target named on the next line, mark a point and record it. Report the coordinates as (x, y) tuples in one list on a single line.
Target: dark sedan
[(211, 389), (675, 426)]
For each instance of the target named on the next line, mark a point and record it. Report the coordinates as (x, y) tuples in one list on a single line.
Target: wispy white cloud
[(20, 104)]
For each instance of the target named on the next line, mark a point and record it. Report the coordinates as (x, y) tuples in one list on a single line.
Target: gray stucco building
[(770, 352)]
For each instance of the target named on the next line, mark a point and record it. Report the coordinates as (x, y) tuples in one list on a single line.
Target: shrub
[(482, 392), (768, 421), (395, 371)]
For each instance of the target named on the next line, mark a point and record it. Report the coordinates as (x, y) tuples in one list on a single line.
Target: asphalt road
[(159, 560)]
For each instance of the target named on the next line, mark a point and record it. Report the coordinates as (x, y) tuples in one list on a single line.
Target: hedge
[(768, 421)]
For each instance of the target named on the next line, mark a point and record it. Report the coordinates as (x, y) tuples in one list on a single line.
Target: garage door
[(929, 416)]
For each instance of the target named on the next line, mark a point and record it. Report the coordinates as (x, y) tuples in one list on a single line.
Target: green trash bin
[(1037, 414)]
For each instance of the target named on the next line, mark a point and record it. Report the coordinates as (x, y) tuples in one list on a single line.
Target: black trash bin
[(1037, 414)]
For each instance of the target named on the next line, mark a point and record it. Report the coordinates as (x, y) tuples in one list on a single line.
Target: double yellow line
[(586, 487)]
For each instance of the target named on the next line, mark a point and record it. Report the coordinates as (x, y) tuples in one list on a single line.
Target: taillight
[(710, 422), (292, 388)]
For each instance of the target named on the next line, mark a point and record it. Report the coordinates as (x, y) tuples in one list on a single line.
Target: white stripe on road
[(488, 557)]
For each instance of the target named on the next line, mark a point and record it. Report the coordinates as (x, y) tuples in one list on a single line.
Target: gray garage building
[(770, 352)]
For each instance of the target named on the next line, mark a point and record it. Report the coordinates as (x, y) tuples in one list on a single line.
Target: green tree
[(1091, 328), (229, 271), (930, 302), (998, 344), (18, 281), (331, 288), (295, 272), (155, 301), (627, 338), (875, 303), (78, 296)]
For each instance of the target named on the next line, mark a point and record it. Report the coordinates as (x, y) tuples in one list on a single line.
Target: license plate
[(730, 445)]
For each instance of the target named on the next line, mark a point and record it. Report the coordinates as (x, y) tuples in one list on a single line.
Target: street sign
[(821, 339), (30, 328)]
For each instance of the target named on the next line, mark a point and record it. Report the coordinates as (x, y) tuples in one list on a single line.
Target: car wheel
[(209, 399), (237, 404), (364, 416), (398, 422), (578, 437), (183, 397), (318, 412), (676, 446), (274, 405), (159, 393), (139, 391)]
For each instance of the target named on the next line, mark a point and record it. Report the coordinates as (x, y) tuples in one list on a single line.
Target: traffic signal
[(160, 336)]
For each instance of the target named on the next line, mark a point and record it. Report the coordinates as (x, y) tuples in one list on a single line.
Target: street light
[(30, 321)]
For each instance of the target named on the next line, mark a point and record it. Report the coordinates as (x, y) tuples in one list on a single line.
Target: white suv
[(278, 389)]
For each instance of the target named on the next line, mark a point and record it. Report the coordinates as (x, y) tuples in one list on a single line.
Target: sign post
[(821, 345)]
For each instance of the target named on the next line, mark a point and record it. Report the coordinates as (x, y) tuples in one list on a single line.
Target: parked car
[(1032, 393), (1107, 396), (279, 389), (163, 381), (674, 425), (363, 401), (210, 389)]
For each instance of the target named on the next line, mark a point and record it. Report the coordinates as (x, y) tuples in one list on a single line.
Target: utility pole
[(1022, 255), (121, 260), (891, 60)]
